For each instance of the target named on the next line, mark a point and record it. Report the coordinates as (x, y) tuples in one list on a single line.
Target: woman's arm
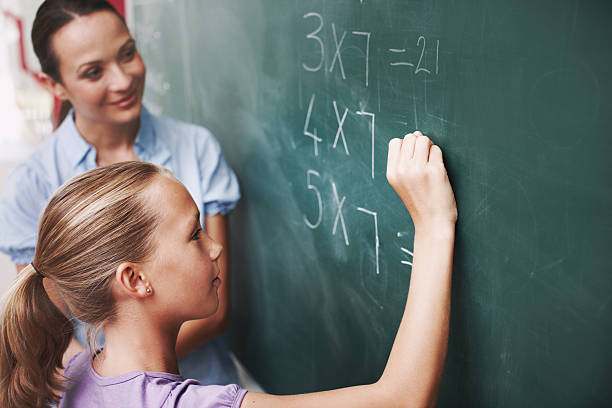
[(414, 370), (194, 333)]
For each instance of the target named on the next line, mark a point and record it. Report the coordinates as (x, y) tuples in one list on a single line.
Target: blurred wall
[(7, 268)]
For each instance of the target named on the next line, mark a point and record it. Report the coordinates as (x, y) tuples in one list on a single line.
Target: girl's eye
[(93, 73), (196, 234)]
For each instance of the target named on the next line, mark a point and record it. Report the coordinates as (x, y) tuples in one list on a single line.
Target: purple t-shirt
[(86, 389)]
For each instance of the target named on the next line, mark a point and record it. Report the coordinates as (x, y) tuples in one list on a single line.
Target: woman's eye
[(93, 73), (128, 54)]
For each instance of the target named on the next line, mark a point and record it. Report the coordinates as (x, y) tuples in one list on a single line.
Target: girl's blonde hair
[(92, 223)]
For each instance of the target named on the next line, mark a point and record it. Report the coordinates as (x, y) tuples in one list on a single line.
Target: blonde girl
[(123, 247)]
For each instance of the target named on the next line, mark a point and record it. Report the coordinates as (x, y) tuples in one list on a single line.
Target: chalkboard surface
[(304, 97)]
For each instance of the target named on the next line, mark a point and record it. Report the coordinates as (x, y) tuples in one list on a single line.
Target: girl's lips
[(216, 282)]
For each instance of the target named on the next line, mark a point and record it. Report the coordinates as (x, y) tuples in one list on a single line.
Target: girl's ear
[(131, 283), (53, 87)]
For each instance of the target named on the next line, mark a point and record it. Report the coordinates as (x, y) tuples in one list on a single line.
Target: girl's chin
[(209, 312)]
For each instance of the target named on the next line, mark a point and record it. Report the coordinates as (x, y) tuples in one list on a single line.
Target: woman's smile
[(128, 101)]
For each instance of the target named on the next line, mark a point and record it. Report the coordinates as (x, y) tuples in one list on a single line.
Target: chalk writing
[(376, 240), (421, 61), (318, 194), (337, 54), (420, 66), (313, 36), (367, 54), (340, 132), (409, 253), (373, 117), (339, 215), (313, 135)]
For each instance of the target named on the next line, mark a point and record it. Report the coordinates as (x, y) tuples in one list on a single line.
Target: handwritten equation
[(398, 57), (408, 61)]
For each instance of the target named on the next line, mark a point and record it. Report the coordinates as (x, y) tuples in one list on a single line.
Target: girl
[(123, 247), (89, 59)]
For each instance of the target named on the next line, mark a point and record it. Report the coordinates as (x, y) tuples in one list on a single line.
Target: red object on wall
[(22, 54), (119, 5)]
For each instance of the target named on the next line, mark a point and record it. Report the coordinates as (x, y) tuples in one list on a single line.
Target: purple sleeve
[(192, 394)]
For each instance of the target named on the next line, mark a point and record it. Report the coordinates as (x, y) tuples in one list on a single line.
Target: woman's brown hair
[(90, 226)]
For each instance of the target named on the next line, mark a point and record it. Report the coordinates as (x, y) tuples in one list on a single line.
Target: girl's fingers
[(421, 149), (435, 155), (395, 146), (408, 147)]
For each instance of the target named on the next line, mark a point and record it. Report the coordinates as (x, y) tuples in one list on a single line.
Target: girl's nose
[(215, 250)]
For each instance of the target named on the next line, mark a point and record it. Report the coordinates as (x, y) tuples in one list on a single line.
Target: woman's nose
[(120, 81)]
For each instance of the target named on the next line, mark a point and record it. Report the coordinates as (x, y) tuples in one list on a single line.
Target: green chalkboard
[(517, 93)]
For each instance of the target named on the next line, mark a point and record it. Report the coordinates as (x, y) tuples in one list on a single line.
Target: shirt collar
[(147, 146), (72, 144)]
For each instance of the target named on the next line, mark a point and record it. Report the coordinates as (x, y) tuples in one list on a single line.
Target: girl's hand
[(415, 170)]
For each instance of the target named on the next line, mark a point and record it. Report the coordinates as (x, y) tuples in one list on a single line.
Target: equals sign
[(399, 51), (409, 253)]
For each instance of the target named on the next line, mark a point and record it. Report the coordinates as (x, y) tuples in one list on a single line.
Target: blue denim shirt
[(191, 152)]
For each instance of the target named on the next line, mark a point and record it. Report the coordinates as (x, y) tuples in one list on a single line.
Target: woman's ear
[(132, 283), (53, 87)]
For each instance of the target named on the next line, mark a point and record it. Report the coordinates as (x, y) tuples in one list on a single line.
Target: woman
[(89, 59), (123, 246)]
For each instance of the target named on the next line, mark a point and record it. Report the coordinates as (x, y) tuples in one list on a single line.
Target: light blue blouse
[(191, 152)]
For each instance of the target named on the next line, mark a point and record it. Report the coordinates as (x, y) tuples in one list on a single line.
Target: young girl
[(123, 247), (89, 59)]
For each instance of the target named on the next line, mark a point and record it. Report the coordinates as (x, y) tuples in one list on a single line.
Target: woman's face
[(183, 271), (102, 74)]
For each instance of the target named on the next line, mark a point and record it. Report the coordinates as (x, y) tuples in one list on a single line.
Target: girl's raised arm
[(412, 376)]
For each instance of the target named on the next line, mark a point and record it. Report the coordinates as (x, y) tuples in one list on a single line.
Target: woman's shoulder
[(33, 175), (179, 135), (47, 160), (178, 128), (36, 162)]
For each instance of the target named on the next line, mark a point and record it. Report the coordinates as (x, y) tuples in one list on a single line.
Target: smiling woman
[(93, 64), (89, 59), (101, 74)]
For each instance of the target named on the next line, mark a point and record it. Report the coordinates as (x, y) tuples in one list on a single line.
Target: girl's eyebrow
[(196, 224)]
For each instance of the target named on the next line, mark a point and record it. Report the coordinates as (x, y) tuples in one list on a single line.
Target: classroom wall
[(7, 268)]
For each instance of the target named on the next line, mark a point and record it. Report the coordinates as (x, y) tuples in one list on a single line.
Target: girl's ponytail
[(33, 338), (91, 225)]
